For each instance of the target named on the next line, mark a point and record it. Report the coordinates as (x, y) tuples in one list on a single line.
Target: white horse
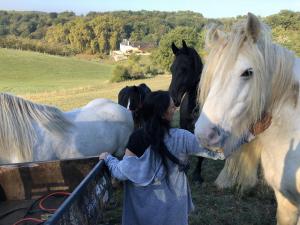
[(246, 75), (34, 132)]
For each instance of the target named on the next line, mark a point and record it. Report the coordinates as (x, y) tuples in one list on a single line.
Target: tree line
[(99, 33)]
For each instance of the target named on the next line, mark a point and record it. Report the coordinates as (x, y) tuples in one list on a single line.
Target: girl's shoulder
[(178, 132), (138, 142), (178, 135)]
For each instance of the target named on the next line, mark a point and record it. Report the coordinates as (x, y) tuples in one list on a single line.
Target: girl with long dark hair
[(153, 169)]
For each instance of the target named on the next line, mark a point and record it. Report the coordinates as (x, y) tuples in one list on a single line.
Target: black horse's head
[(132, 97), (186, 70)]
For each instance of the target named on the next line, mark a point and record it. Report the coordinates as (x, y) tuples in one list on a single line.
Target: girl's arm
[(194, 148), (113, 164)]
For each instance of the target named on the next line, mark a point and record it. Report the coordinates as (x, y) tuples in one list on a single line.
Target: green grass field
[(71, 82), (65, 82), (29, 72)]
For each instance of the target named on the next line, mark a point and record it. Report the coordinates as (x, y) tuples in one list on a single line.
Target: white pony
[(246, 75), (34, 132)]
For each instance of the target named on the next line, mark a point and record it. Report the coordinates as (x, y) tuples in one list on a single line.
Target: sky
[(209, 8)]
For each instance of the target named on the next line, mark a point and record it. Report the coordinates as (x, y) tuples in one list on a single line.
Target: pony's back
[(100, 126)]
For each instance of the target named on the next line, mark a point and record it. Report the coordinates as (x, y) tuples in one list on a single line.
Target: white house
[(125, 47)]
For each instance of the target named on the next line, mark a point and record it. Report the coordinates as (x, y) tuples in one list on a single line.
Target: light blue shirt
[(151, 197)]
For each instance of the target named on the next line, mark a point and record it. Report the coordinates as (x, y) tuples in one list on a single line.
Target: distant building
[(126, 47)]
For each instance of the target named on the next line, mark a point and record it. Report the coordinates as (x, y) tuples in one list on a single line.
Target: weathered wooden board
[(32, 180)]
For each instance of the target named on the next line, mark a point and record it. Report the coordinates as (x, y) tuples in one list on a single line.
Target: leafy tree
[(114, 40), (286, 19), (3, 30), (53, 15), (81, 35), (58, 34)]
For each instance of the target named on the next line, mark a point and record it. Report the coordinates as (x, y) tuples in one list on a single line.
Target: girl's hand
[(103, 155)]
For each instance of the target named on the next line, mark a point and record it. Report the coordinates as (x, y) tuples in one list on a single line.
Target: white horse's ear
[(253, 27), (213, 35)]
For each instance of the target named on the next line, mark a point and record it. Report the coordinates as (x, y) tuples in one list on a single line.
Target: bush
[(153, 71), (136, 72), (134, 58), (120, 73), (135, 68)]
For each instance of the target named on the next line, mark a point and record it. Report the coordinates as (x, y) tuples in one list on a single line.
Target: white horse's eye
[(247, 73)]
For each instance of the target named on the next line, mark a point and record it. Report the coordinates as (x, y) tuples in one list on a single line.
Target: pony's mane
[(273, 64), (18, 118)]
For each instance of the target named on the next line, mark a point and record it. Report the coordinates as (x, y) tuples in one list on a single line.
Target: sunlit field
[(30, 72), (65, 82)]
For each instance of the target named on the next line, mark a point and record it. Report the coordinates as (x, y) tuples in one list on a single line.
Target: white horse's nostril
[(213, 137)]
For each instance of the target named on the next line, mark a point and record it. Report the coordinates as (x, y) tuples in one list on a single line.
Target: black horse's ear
[(174, 48), (184, 44)]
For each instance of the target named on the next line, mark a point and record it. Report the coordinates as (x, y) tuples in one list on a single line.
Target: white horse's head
[(245, 74)]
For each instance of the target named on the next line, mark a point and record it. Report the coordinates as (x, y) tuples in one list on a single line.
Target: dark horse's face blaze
[(186, 70)]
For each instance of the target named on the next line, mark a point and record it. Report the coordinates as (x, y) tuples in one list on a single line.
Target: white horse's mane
[(18, 117)]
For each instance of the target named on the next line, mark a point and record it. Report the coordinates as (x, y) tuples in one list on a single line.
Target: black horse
[(132, 97), (186, 72)]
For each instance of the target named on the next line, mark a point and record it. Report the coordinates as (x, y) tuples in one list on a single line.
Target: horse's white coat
[(100, 126), (234, 102)]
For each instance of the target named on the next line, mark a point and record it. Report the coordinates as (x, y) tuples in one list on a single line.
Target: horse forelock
[(17, 133)]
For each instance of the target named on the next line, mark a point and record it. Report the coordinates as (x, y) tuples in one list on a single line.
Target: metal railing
[(86, 203)]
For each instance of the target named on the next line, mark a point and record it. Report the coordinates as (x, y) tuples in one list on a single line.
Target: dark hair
[(155, 125)]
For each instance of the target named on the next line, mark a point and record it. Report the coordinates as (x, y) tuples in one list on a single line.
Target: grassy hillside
[(62, 81), (77, 97), (28, 72)]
